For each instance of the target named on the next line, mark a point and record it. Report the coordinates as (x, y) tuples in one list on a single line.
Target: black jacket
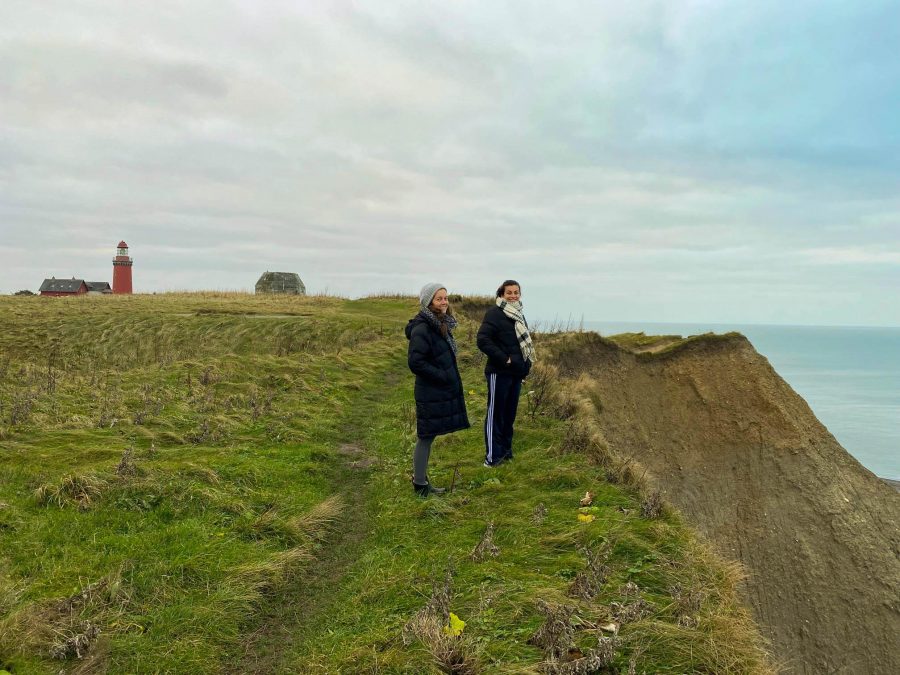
[(498, 340), (440, 403)]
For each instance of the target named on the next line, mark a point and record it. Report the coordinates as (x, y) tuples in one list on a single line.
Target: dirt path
[(658, 346), (297, 609)]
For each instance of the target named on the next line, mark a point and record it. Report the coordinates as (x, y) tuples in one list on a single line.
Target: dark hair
[(442, 319), (508, 282)]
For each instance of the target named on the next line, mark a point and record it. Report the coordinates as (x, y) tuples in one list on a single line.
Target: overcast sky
[(661, 161)]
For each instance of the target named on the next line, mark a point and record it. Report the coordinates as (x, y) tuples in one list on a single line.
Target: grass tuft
[(69, 627), (319, 520), (264, 576), (451, 652), (81, 490)]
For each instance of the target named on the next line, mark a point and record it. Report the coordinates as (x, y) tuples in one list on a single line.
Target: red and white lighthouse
[(122, 270)]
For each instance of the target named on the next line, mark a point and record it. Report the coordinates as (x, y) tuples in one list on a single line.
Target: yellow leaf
[(455, 628), (586, 517), (472, 391)]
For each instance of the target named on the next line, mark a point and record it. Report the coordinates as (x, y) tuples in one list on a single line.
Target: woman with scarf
[(440, 404), (505, 340)]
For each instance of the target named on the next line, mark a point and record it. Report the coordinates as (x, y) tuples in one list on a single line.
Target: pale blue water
[(849, 376)]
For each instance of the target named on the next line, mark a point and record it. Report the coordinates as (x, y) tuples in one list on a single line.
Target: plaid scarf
[(514, 311), (448, 319)]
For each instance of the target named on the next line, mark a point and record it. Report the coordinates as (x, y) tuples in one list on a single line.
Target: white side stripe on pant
[(492, 396)]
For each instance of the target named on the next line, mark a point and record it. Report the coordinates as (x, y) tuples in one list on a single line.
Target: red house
[(54, 287)]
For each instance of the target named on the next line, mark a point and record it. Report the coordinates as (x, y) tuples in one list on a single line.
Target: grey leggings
[(420, 459)]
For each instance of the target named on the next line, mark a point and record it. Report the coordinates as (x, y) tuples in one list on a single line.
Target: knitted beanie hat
[(426, 295)]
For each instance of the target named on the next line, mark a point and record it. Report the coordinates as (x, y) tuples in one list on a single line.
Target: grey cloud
[(81, 85), (656, 147)]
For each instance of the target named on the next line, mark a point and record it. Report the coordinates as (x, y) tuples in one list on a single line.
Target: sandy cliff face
[(744, 457)]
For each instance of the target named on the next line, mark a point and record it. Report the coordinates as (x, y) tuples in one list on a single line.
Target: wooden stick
[(455, 474)]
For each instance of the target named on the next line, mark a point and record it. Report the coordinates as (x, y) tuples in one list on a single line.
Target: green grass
[(263, 519)]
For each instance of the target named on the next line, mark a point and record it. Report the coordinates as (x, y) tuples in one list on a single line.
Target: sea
[(849, 376)]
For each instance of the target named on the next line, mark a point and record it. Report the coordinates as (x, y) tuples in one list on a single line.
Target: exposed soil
[(743, 456), (356, 456)]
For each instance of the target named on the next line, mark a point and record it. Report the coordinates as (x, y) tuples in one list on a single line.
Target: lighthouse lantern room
[(122, 270)]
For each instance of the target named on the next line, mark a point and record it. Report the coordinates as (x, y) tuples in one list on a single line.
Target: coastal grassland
[(208, 482), (168, 463), (507, 549)]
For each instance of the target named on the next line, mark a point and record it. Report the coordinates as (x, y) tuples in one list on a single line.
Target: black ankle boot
[(435, 490), (427, 489)]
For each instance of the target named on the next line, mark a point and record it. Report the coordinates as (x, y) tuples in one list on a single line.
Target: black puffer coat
[(440, 404), (498, 340)]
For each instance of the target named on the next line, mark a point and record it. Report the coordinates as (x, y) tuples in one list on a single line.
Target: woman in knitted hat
[(505, 340), (440, 403)]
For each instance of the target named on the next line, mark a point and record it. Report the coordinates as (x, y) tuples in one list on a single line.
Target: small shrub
[(72, 643), (589, 581), (577, 439), (21, 408), (486, 547), (107, 413), (563, 406), (454, 654), (541, 385), (632, 611), (126, 465), (687, 604), (208, 377), (595, 661), (652, 505), (556, 634)]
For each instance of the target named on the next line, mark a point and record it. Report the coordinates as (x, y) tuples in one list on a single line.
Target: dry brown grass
[(454, 654), (81, 490), (318, 521), (69, 627), (712, 626), (264, 576)]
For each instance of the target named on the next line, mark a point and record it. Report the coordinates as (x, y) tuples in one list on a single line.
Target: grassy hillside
[(220, 483)]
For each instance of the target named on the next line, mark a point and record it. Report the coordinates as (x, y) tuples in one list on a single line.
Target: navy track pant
[(503, 401)]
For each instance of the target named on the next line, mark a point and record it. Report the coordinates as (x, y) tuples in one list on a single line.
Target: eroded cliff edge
[(743, 456)]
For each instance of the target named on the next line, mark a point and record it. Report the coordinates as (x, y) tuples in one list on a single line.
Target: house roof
[(281, 282), (98, 285), (61, 285)]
